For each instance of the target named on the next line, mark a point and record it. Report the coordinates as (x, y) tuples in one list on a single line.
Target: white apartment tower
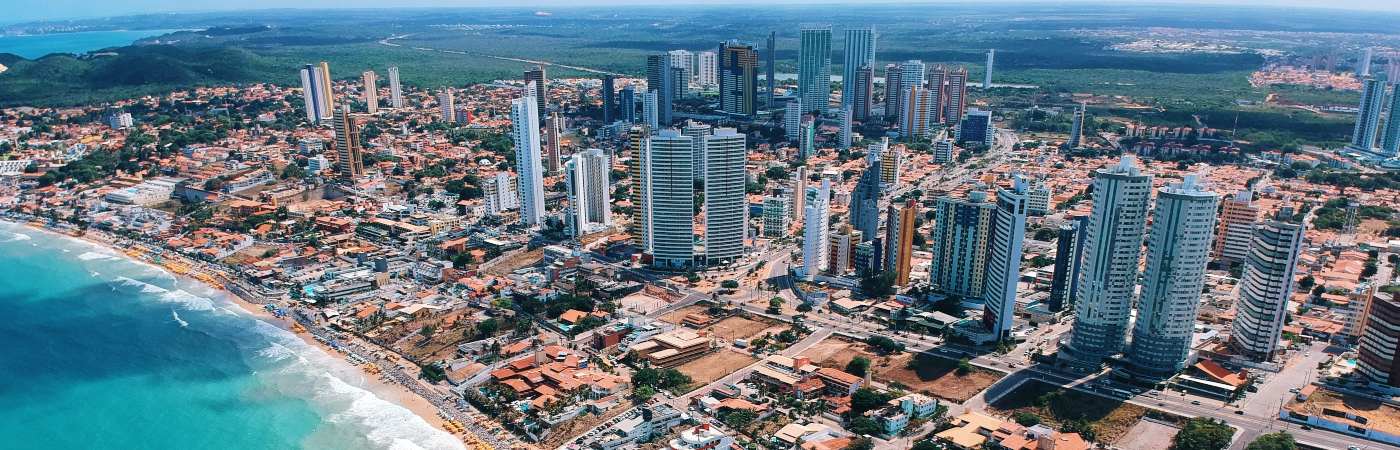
[(589, 194), (859, 52), (707, 68), (1008, 231), (371, 82), (726, 210), (792, 120), (525, 125), (815, 234), (1265, 287), (669, 197), (449, 109), (395, 89), (1178, 250)]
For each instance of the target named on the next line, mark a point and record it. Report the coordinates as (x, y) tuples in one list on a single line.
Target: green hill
[(62, 79)]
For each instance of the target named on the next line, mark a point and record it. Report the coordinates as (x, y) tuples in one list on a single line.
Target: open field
[(1109, 419), (1148, 435), (674, 317), (743, 328), (714, 366), (927, 374)]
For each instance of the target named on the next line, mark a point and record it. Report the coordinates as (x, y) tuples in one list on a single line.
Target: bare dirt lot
[(714, 366), (930, 375), (1148, 435), (1109, 419), (674, 317), (743, 328)]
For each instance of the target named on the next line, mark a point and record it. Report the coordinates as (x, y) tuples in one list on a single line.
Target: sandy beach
[(380, 385)]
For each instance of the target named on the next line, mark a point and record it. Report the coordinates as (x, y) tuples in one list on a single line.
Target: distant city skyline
[(46, 10)]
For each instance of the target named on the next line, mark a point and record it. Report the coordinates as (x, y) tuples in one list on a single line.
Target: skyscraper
[(799, 196), (1238, 217), (906, 75), (1066, 266), (672, 86), (697, 132), (863, 90), (656, 68), (961, 230), (738, 78), (987, 76), (536, 75), (1368, 116), (707, 68), (938, 89), (900, 228), (1379, 346), (1076, 128), (448, 108), (638, 143), (792, 120), (815, 233), (891, 162), (844, 136), (1178, 250), (650, 107), (807, 140), (553, 130), (347, 145), (627, 104), (587, 181), (1390, 141), (327, 95), (670, 199), (859, 52), (1112, 248), (311, 94), (976, 127), (1265, 287), (814, 68), (525, 126), (395, 89), (608, 93), (864, 209), (955, 95), (892, 93), (1008, 230), (685, 61), (914, 119), (726, 210), (371, 82), (768, 54)]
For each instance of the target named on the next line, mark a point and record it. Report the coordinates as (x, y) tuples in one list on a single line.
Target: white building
[(697, 132), (814, 68), (845, 134), (859, 52), (670, 199), (525, 124), (702, 437), (650, 111), (1038, 199), (1178, 249), (726, 210), (707, 68), (371, 82), (1076, 128), (119, 120), (395, 89), (146, 193), (449, 110), (499, 193), (1008, 231), (815, 235), (1109, 270), (943, 151), (792, 120), (589, 192), (777, 215), (1265, 287)]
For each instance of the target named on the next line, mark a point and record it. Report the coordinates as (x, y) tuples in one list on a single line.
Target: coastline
[(377, 384)]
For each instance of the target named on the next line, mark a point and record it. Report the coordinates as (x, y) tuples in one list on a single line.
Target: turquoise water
[(101, 352), (35, 46)]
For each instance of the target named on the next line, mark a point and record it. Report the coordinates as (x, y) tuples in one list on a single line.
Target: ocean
[(38, 45), (103, 352)]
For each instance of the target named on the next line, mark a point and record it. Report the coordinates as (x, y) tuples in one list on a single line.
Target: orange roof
[(572, 316), (1221, 374)]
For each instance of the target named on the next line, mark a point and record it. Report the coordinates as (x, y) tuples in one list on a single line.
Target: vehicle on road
[(1196, 402)]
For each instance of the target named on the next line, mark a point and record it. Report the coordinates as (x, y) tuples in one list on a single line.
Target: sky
[(32, 10)]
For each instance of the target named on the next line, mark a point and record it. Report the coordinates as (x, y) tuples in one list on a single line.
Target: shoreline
[(377, 384)]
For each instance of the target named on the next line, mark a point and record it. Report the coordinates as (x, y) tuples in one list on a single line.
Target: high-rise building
[(1265, 287), (842, 249), (1238, 217), (119, 120), (891, 163), (371, 82), (799, 196), (893, 94), (1379, 346), (864, 208), (807, 140), (768, 54), (707, 68), (608, 92), (961, 231), (448, 108), (777, 215), (627, 104), (685, 61), (590, 205), (499, 193), (553, 133), (844, 136), (395, 89), (859, 52), (1363, 65), (650, 110), (738, 78), (697, 132), (670, 90), (529, 167), (1038, 199), (1368, 116), (1066, 266), (1390, 141), (1076, 128), (938, 89), (976, 127), (955, 95), (638, 143), (1008, 230), (312, 93), (347, 145), (943, 151), (900, 228), (726, 210), (914, 119), (792, 120), (1108, 276), (987, 76), (670, 199), (656, 68), (862, 92), (327, 96), (814, 68), (537, 76), (1178, 251), (815, 233)]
